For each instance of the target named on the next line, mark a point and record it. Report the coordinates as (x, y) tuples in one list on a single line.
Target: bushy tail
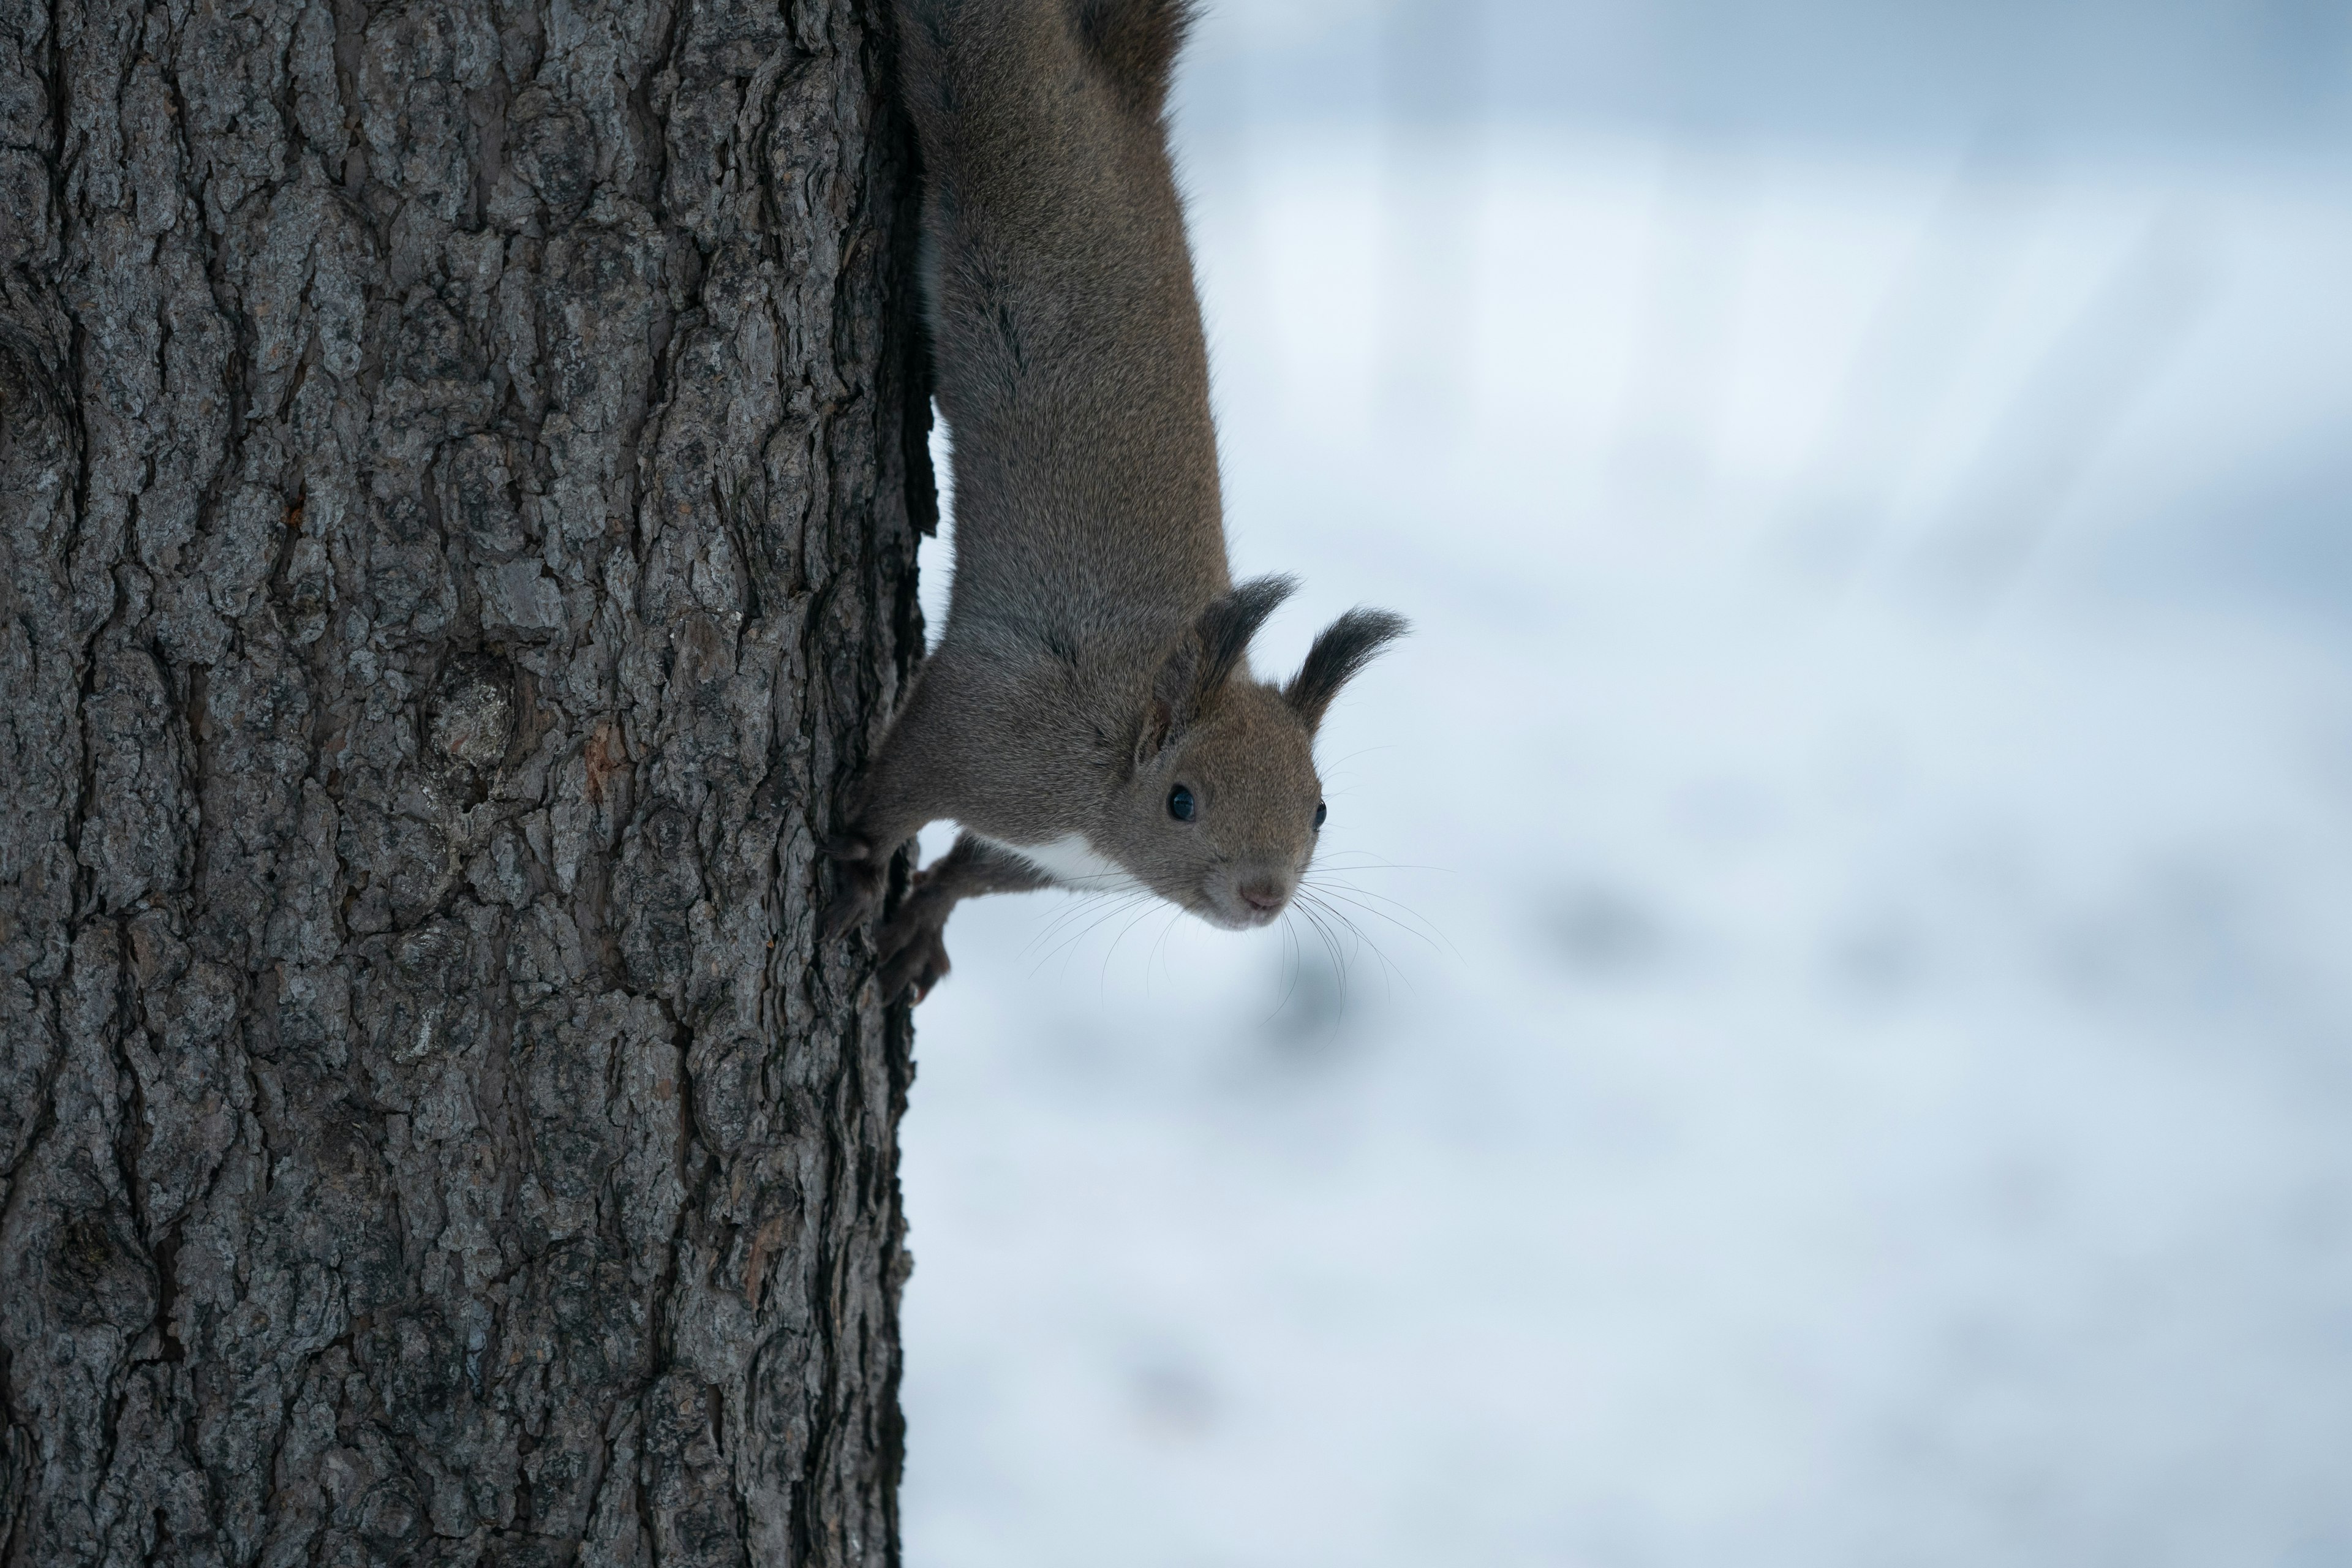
[(1136, 43), (1132, 43), (1057, 283)]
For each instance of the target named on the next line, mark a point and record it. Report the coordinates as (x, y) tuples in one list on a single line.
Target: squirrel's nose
[(1263, 895)]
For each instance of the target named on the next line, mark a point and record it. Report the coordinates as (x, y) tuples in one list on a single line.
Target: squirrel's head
[(1221, 806)]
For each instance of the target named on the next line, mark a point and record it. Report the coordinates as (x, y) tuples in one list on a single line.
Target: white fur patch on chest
[(1073, 861)]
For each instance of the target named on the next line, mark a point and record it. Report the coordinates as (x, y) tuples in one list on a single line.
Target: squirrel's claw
[(848, 846), (861, 877), (917, 967), (912, 949)]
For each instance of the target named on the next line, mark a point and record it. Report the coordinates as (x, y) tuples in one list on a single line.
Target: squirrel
[(1088, 717)]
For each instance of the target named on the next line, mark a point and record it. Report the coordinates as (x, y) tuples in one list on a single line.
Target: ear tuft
[(1346, 645), (1226, 627)]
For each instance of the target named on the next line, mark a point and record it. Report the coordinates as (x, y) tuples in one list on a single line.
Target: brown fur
[(1095, 654)]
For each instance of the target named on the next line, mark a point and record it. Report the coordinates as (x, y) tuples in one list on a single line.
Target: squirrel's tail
[(1136, 42), (1052, 259), (952, 52)]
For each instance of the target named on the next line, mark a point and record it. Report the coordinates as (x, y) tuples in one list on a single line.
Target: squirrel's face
[(1223, 821), (1223, 806)]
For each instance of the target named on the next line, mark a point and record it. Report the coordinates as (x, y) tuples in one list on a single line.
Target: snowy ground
[(1846, 1050)]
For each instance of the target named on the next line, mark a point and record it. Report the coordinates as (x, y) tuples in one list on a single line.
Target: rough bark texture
[(458, 480)]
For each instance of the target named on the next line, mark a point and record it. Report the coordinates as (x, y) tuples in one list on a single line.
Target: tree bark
[(459, 469)]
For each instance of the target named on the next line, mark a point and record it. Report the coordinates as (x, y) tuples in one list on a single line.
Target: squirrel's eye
[(1321, 811), (1180, 803)]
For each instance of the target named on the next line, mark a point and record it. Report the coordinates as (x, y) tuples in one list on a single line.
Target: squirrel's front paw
[(913, 949), (860, 876)]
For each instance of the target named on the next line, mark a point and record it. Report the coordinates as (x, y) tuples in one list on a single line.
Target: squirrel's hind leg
[(910, 783)]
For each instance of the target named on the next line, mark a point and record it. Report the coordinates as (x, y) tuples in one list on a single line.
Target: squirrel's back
[(1067, 351)]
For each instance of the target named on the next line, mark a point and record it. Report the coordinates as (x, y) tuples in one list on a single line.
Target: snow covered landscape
[(1827, 1037)]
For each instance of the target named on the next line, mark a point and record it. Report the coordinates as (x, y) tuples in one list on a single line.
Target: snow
[(1841, 1039)]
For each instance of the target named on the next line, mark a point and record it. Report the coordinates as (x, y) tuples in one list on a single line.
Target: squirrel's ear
[(1204, 658), (1346, 645), (1159, 727), (1169, 708), (1226, 627)]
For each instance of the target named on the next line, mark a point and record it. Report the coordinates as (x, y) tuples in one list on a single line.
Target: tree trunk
[(459, 473)]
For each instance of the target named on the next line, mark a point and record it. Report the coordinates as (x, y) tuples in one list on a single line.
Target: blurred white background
[(1837, 1046)]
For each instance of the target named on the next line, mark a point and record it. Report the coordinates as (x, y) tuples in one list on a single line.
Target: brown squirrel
[(1088, 717)]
